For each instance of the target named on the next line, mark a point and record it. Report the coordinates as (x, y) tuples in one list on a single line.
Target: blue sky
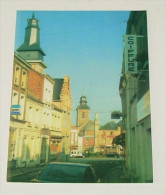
[(87, 46)]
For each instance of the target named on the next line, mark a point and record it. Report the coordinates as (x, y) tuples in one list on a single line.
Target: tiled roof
[(109, 126), (89, 126), (57, 89)]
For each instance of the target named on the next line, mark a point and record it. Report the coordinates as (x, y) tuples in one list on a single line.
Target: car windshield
[(63, 173)]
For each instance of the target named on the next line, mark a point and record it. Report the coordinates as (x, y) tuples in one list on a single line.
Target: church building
[(88, 129)]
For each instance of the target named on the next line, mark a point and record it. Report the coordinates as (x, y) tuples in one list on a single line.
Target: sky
[(88, 47)]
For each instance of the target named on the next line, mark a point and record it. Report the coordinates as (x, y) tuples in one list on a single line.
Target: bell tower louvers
[(30, 49)]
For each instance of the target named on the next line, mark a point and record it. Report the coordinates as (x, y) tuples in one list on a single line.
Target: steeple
[(30, 49), (83, 103), (82, 111), (33, 15)]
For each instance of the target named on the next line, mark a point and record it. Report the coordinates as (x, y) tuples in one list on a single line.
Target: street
[(109, 170)]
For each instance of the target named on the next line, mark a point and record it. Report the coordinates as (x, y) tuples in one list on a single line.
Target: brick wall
[(36, 84), (90, 142), (89, 133)]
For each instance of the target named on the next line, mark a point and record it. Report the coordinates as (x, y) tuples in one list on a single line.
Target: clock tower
[(82, 111), (30, 49)]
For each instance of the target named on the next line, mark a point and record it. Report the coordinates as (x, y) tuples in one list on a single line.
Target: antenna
[(33, 15)]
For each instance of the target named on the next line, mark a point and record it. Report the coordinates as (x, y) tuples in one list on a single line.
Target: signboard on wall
[(130, 52), (15, 110), (143, 107)]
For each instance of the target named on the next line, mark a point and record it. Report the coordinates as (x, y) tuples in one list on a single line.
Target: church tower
[(82, 111), (30, 50)]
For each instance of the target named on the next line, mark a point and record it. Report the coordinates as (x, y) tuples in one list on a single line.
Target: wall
[(36, 84)]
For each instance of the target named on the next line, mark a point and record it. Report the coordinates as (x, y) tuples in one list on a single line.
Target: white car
[(76, 154)]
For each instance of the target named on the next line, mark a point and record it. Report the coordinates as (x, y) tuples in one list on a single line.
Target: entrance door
[(43, 150)]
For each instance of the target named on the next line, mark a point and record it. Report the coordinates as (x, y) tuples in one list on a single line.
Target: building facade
[(40, 123), (18, 106), (135, 97), (106, 134), (62, 100)]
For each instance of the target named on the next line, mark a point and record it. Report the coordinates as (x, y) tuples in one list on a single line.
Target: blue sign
[(16, 106), (15, 109)]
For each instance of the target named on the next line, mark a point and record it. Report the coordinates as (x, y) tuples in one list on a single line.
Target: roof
[(33, 47), (83, 103), (84, 106), (109, 126), (21, 59), (119, 124), (70, 164), (89, 126), (57, 88)]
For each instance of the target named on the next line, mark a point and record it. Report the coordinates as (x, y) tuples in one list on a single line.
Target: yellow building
[(18, 105), (38, 121), (62, 100), (106, 134)]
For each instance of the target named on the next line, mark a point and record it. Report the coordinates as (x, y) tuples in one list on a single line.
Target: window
[(17, 75), (37, 117), (112, 133), (111, 139), (30, 114), (87, 142), (22, 102), (24, 78), (104, 133), (104, 141), (15, 98)]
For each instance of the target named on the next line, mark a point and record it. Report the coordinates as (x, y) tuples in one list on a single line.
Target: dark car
[(113, 154), (66, 173)]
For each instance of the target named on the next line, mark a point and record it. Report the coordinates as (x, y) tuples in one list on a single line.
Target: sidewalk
[(11, 172)]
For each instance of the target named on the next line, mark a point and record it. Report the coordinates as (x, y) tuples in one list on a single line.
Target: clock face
[(34, 22)]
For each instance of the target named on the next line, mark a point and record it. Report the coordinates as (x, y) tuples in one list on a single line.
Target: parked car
[(59, 172), (113, 154)]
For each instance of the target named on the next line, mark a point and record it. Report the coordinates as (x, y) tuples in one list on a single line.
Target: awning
[(56, 137)]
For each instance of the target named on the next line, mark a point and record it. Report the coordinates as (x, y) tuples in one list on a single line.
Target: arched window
[(112, 133)]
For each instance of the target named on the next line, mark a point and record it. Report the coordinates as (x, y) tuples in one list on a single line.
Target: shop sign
[(130, 52)]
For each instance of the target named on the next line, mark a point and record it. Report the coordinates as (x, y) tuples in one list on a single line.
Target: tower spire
[(33, 15), (30, 49)]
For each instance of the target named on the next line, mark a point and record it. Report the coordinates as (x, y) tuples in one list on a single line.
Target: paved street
[(109, 170)]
